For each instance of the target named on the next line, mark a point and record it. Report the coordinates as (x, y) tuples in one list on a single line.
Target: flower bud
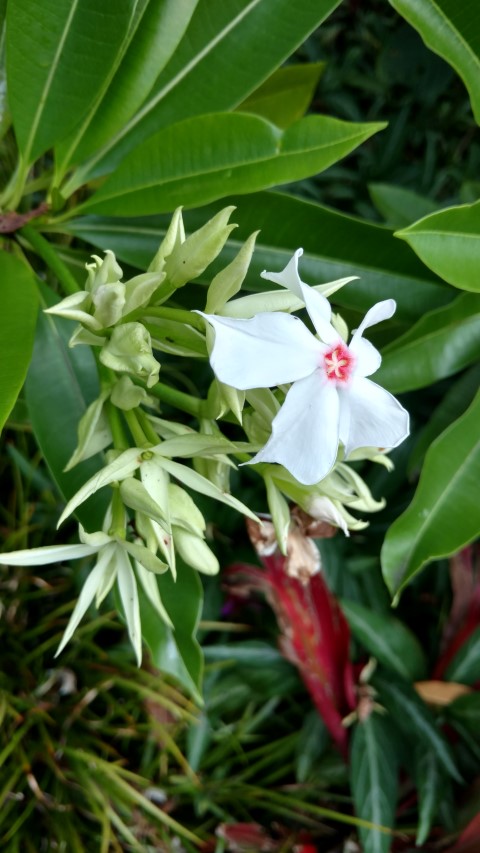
[(103, 271), (129, 350), (173, 239), (190, 258), (126, 395)]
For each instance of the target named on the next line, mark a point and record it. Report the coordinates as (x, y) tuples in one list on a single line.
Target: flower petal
[(378, 312), (289, 276), (127, 587), (376, 418), (89, 590), (150, 588), (320, 311), (121, 467), (367, 357), (270, 349), (317, 305), (47, 554), (305, 432), (143, 556)]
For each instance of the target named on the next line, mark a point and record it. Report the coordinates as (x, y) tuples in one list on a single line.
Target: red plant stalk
[(314, 634)]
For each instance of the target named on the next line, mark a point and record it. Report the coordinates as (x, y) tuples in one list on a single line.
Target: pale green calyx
[(129, 350)]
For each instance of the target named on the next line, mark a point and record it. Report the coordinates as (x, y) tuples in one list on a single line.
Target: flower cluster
[(300, 437)]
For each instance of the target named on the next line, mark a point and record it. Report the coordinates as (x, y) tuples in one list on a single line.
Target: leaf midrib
[(150, 105), (276, 156), (48, 83)]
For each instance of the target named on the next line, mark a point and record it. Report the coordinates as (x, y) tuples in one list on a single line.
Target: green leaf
[(430, 781), (466, 711), (444, 513), (5, 119), (399, 206), (414, 719), (388, 639), (453, 31), (58, 55), (465, 666), (212, 68), (457, 399), (233, 153), (286, 95), (313, 741), (19, 301), (61, 383), (151, 42), (448, 242), (373, 778), (176, 652), (441, 343), (335, 246)]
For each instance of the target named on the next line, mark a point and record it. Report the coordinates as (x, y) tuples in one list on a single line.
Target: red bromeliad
[(314, 632)]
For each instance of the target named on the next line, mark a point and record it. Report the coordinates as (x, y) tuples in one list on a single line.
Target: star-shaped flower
[(114, 557), (331, 400)]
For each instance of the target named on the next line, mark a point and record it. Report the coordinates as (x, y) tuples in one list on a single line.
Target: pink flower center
[(339, 363)]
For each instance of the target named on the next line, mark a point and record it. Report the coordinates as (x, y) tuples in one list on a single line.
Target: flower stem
[(178, 399), (46, 251), (138, 434), (147, 428), (120, 441)]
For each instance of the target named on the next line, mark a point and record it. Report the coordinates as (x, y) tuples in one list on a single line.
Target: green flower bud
[(173, 239), (94, 433), (129, 350), (126, 395), (109, 300), (229, 280), (103, 271), (190, 258), (139, 290), (195, 552)]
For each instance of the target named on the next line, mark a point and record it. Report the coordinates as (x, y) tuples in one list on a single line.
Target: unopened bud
[(129, 350)]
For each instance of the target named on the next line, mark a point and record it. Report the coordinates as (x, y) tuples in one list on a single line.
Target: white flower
[(113, 564), (330, 400)]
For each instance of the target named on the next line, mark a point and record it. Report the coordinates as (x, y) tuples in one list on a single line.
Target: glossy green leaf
[(465, 666), (4, 108), (452, 30), (58, 54), (158, 28), (399, 206), (286, 95), (457, 399), (176, 651), (414, 719), (233, 153), (441, 343), (387, 639), (430, 781), (212, 68), (313, 741), (373, 779), (448, 242), (444, 514), (466, 711), (61, 383), (18, 314), (335, 246)]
